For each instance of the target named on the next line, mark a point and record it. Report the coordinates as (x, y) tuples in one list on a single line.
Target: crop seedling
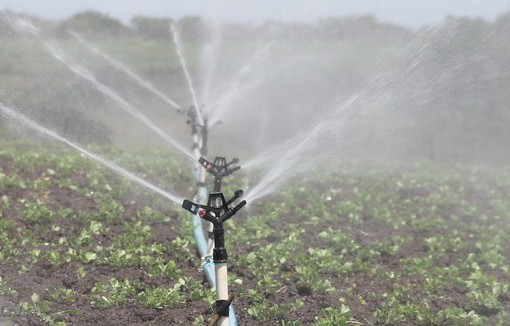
[(112, 294)]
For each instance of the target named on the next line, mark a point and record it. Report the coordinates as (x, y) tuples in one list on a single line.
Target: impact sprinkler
[(199, 147), (219, 169), (200, 132), (217, 212)]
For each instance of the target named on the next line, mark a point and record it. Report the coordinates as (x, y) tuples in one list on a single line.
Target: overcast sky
[(412, 13)]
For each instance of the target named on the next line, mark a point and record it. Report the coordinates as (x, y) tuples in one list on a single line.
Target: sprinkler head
[(217, 209), (190, 206), (219, 169)]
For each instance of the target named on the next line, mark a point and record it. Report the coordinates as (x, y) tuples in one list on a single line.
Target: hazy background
[(411, 13), (362, 79)]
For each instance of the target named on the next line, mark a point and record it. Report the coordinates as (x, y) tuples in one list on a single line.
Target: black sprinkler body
[(192, 119), (196, 128)]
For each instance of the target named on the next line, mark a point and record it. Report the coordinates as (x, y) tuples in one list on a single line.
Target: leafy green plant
[(112, 294), (41, 309), (5, 289), (63, 295), (161, 298), (36, 211), (331, 316)]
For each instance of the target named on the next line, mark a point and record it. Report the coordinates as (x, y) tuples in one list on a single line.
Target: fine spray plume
[(72, 64), (130, 73), (11, 114)]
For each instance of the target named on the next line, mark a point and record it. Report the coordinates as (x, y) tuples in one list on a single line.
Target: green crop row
[(418, 246)]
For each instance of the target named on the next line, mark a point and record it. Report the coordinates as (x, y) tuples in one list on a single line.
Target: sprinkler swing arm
[(219, 169), (213, 213)]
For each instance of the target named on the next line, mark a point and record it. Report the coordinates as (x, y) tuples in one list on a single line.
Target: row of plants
[(423, 245)]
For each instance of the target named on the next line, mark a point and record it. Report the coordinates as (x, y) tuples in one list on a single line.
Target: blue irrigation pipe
[(208, 267)]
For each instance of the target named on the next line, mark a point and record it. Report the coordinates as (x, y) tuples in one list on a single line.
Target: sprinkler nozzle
[(233, 211), (190, 206), (239, 193), (206, 164)]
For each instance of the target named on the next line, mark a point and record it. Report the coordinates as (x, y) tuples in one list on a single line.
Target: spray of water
[(299, 153), (25, 121), (291, 157), (141, 81), (177, 42), (210, 56), (289, 164), (240, 85), (59, 54), (375, 90)]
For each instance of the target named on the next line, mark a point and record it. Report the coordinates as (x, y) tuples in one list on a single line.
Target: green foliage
[(93, 22), (260, 309), (39, 308), (112, 294), (160, 298), (431, 249), (36, 211), (5, 289), (63, 295), (331, 316)]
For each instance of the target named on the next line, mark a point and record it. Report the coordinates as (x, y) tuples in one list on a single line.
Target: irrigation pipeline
[(217, 212), (201, 229)]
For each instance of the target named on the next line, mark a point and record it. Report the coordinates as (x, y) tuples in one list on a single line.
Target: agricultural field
[(420, 245)]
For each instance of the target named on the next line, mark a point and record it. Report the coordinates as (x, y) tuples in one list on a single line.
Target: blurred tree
[(152, 27), (448, 82), (193, 28), (93, 22)]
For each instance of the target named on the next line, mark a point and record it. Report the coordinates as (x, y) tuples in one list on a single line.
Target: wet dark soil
[(27, 278)]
